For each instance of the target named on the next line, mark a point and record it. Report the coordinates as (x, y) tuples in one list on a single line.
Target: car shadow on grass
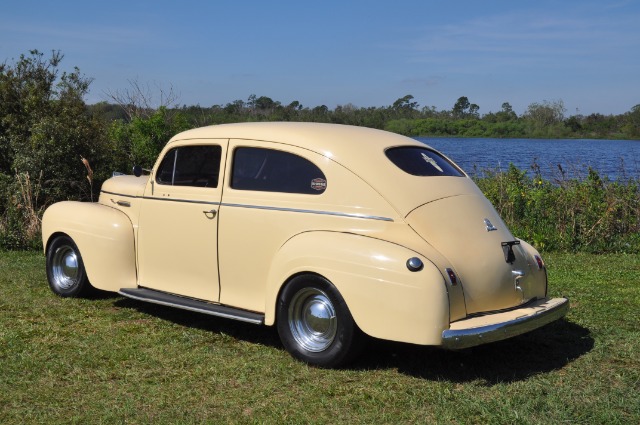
[(256, 334), (543, 350), (98, 294)]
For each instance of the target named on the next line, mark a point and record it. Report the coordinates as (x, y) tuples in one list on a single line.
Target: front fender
[(104, 237), (385, 299)]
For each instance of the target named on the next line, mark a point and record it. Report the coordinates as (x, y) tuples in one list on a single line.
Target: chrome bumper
[(495, 327)]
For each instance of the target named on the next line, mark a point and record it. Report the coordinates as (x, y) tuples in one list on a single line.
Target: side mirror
[(137, 170)]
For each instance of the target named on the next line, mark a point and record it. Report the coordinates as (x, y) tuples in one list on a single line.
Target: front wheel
[(65, 269), (314, 323)]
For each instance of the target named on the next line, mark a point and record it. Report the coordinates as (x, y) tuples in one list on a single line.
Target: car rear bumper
[(498, 326)]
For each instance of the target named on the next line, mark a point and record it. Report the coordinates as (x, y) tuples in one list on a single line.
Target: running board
[(163, 298)]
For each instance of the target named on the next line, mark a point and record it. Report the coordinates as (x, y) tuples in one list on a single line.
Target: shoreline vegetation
[(53, 147), (545, 120)]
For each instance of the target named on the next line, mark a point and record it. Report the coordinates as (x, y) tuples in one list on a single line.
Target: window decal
[(423, 162), (432, 162), (318, 184)]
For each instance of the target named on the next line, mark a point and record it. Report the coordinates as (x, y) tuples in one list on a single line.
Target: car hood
[(467, 230), (130, 186)]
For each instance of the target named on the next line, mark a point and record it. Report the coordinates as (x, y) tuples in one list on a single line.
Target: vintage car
[(328, 232)]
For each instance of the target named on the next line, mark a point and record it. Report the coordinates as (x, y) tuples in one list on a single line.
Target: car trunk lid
[(487, 259)]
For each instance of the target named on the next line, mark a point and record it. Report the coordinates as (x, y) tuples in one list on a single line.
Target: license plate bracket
[(507, 250)]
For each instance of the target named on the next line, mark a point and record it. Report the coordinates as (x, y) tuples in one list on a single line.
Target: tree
[(546, 119), (295, 105), (473, 111), (235, 107), (465, 109), (405, 104), (507, 113), (139, 101), (45, 129), (573, 122), (546, 113), (45, 124), (265, 103), (631, 127), (461, 107), (251, 102)]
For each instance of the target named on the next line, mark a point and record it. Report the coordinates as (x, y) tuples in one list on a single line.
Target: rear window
[(419, 161)]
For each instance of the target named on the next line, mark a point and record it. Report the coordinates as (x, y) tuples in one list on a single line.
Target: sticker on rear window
[(419, 161), (431, 161)]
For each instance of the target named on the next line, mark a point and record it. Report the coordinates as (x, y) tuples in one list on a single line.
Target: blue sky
[(368, 53)]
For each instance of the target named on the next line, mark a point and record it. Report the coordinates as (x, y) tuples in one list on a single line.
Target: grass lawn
[(114, 360)]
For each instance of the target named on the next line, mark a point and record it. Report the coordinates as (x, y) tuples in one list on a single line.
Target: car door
[(178, 225)]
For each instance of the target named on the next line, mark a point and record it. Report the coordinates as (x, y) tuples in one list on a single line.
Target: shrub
[(44, 128), (568, 214)]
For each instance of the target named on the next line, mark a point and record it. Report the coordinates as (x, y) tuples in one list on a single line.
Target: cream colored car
[(327, 232)]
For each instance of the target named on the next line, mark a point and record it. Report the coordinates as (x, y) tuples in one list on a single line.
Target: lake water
[(612, 158)]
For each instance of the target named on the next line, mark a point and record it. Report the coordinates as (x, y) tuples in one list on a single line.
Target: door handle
[(210, 214), (121, 203)]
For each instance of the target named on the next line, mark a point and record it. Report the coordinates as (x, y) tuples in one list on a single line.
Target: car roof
[(359, 149), (339, 142)]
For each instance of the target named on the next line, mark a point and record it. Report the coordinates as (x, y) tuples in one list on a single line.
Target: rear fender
[(385, 299), (104, 237), (537, 278)]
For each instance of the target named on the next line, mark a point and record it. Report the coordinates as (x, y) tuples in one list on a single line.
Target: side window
[(190, 166), (271, 170)]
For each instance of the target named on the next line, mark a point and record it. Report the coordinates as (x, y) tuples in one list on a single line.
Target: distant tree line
[(53, 146), (546, 119)]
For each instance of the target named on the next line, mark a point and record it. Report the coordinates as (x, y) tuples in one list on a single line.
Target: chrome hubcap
[(64, 267), (312, 320)]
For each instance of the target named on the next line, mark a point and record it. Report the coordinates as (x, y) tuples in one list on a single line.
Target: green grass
[(113, 360)]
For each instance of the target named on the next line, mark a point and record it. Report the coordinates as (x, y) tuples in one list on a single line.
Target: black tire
[(314, 323), (65, 269)]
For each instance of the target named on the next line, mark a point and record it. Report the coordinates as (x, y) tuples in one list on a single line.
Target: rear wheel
[(314, 323), (65, 269)]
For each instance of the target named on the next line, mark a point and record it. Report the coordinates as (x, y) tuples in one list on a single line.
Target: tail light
[(539, 262), (453, 279)]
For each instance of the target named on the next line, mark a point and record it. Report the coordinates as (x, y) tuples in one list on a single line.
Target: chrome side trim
[(186, 201), (262, 207), (118, 194), (333, 213), (153, 198), (549, 311)]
